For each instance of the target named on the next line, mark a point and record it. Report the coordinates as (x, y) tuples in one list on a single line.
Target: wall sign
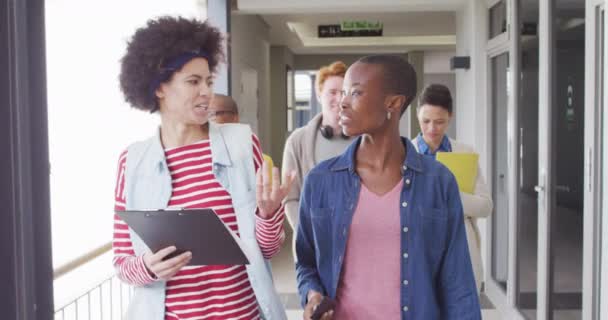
[(351, 29)]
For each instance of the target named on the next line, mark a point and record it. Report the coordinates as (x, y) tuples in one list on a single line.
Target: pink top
[(369, 286)]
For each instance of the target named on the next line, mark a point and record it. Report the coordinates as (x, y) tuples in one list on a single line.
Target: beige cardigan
[(299, 155), (475, 206)]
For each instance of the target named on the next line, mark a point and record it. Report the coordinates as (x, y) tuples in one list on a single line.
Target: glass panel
[(498, 19), (90, 124), (527, 212), (500, 221), (601, 148), (290, 97), (304, 98), (568, 159)]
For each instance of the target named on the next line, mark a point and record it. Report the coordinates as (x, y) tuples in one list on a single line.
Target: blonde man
[(322, 138)]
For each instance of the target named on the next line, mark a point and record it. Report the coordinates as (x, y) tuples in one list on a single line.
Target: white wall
[(438, 61), (251, 49), (471, 84), (89, 122), (472, 123), (316, 61), (281, 57), (436, 68)]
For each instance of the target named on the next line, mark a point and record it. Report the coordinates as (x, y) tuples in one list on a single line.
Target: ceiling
[(341, 6), (407, 24)]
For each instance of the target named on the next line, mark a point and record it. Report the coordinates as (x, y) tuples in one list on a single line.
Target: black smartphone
[(326, 304)]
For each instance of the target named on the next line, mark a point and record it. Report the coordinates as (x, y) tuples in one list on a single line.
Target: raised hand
[(269, 191)]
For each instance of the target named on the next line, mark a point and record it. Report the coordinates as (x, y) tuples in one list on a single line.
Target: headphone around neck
[(328, 132)]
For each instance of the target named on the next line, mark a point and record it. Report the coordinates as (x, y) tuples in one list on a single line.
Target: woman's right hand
[(164, 270), (314, 299)]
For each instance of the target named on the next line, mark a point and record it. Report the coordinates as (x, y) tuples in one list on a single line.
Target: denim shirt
[(424, 148), (437, 279), (148, 186)]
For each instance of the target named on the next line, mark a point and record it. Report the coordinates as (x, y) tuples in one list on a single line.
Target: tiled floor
[(485, 314), (567, 259), (284, 270), (285, 281)]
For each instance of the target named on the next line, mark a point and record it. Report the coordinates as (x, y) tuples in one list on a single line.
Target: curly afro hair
[(158, 42)]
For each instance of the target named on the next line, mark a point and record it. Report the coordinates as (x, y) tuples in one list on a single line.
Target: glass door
[(595, 175), (527, 205), (568, 154), (499, 66), (602, 291), (600, 288), (498, 78)]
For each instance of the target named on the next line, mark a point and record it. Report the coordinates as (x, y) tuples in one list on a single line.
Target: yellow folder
[(270, 164), (463, 166)]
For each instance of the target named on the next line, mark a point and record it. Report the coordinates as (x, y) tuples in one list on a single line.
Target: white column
[(218, 13)]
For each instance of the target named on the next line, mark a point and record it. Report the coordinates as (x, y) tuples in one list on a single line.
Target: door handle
[(540, 188)]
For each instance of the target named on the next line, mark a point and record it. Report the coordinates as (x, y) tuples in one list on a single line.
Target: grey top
[(300, 154), (329, 148)]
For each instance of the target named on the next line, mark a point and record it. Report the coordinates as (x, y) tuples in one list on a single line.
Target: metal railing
[(81, 260), (107, 299)]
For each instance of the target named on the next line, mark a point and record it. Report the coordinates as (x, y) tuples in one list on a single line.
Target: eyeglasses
[(222, 112)]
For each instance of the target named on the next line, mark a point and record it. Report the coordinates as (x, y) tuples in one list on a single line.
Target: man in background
[(322, 138), (223, 109)]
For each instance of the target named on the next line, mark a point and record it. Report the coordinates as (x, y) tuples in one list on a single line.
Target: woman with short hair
[(381, 227), (434, 116)]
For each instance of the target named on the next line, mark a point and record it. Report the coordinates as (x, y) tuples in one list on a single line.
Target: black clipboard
[(199, 231)]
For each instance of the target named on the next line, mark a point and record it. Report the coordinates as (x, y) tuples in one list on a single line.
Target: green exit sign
[(362, 25), (351, 29)]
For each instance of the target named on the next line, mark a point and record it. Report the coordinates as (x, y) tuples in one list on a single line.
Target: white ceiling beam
[(437, 40), (342, 6)]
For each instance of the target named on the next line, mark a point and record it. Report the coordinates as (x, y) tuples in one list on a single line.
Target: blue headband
[(167, 69)]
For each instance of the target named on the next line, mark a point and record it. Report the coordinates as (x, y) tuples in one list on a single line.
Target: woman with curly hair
[(191, 163)]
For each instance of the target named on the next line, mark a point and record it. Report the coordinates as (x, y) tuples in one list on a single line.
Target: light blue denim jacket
[(148, 186)]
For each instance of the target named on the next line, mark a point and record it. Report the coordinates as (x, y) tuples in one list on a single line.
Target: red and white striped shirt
[(198, 292)]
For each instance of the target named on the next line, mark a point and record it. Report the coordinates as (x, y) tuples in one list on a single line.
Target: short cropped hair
[(437, 95), (337, 69), (399, 76), (161, 40)]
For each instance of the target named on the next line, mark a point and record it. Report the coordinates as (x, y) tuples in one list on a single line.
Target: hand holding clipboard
[(181, 237), (163, 267)]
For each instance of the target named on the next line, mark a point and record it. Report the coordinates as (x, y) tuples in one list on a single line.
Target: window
[(89, 122), (498, 19)]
